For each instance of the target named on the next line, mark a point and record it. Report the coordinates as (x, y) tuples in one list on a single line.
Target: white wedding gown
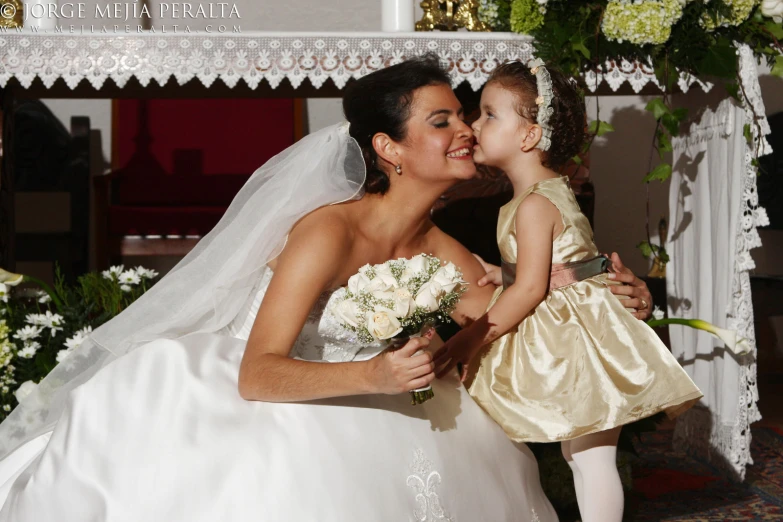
[(161, 434)]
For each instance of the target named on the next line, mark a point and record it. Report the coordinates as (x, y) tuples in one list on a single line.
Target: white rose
[(382, 324), (24, 390), (357, 283), (413, 266), (773, 9), (658, 314), (446, 277), (384, 274), (429, 296), (404, 305), (348, 311), (382, 286)]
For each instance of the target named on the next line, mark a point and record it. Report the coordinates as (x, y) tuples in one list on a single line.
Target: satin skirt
[(162, 434), (580, 363)]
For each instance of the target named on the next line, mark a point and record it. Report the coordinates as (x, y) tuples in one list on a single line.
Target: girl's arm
[(537, 219), (311, 262)]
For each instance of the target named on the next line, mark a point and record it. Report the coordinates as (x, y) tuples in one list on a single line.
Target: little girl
[(574, 365)]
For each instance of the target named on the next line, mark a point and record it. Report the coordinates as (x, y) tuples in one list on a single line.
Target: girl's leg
[(596, 457), (565, 446)]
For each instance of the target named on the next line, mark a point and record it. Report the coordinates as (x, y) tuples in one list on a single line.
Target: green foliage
[(56, 321), (525, 16), (649, 249), (701, 34), (661, 172), (599, 128), (777, 68)]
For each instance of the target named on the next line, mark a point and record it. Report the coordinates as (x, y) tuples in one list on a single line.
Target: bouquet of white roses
[(393, 301)]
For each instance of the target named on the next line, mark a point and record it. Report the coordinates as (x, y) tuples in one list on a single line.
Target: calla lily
[(739, 346), (9, 278)]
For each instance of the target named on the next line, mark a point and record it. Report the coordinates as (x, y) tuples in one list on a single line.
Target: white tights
[(593, 461)]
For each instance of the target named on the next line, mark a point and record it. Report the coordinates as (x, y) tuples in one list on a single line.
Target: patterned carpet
[(670, 486)]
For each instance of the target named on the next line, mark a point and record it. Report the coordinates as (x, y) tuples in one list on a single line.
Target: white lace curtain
[(714, 212)]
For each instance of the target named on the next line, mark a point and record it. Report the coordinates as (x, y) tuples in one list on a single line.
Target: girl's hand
[(493, 273), (460, 349), (399, 371), (639, 296)]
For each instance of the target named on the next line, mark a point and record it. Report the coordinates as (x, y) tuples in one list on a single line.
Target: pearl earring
[(398, 169)]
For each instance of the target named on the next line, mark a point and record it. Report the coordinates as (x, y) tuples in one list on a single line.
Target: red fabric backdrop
[(180, 162), (206, 137)]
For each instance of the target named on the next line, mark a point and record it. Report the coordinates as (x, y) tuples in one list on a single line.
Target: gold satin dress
[(579, 363)]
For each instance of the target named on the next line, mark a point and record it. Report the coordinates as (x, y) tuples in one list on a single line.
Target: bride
[(209, 398)]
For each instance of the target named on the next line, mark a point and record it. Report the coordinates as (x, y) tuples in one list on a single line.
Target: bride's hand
[(493, 274), (638, 295), (399, 371)]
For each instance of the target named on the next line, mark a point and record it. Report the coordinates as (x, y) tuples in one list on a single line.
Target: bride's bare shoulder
[(446, 248), (321, 235)]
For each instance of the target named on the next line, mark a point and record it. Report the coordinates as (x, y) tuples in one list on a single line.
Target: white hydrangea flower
[(740, 10), (130, 277), (488, 12), (28, 332), (641, 22)]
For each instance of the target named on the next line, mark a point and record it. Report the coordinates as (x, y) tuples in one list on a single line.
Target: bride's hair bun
[(381, 102)]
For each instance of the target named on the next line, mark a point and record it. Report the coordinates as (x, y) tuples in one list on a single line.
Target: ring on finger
[(645, 304)]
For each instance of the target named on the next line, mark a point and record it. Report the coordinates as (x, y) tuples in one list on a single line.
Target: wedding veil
[(207, 289)]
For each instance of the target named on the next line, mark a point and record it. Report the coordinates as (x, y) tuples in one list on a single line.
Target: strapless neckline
[(322, 338)]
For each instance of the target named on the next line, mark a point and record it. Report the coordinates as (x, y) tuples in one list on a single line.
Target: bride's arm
[(312, 261), (475, 300)]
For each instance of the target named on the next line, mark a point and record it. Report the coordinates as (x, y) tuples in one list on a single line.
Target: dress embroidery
[(425, 483)]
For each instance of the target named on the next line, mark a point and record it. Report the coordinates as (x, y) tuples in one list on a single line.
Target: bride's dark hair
[(381, 102)]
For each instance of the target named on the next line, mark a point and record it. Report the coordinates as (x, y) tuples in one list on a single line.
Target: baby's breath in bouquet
[(393, 301)]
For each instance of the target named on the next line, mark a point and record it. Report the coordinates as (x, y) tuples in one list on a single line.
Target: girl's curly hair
[(568, 120)]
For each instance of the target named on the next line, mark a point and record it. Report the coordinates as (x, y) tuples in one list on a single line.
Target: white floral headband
[(544, 101)]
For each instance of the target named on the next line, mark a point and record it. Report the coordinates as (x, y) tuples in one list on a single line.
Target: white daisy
[(146, 273), (130, 277), (113, 272), (29, 350), (27, 333)]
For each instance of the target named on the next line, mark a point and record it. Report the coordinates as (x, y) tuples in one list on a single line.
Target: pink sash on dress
[(563, 274)]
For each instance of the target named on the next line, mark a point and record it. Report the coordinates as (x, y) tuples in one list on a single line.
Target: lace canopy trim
[(257, 56)]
